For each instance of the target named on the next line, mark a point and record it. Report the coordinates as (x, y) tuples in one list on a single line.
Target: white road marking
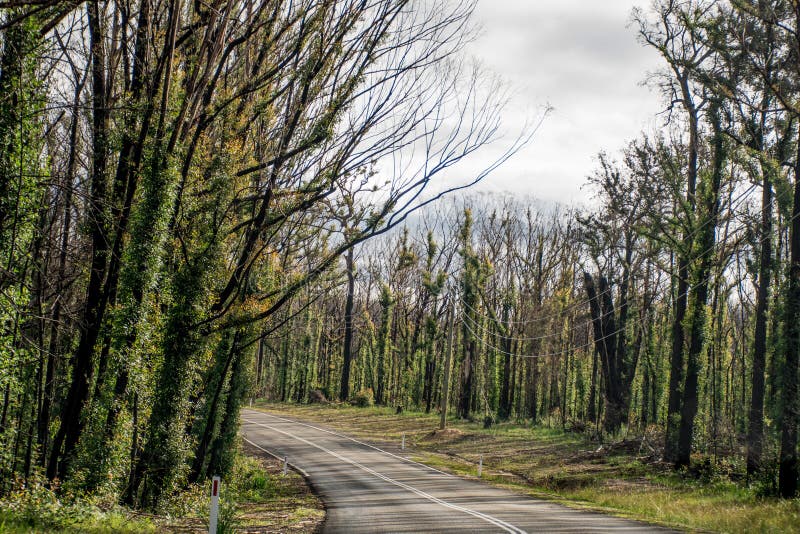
[(403, 458), (489, 519), (293, 466)]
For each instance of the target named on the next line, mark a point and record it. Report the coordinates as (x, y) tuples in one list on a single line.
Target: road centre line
[(489, 519), (401, 458)]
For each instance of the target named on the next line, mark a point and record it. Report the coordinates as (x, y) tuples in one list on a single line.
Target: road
[(368, 489)]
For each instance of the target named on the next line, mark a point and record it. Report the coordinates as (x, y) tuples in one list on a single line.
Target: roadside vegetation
[(172, 175), (257, 497), (622, 476)]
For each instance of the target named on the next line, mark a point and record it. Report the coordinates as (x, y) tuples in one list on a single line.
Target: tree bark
[(71, 422), (344, 391), (676, 375), (755, 434), (706, 251), (788, 468)]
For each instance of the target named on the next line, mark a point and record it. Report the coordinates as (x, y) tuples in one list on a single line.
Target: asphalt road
[(368, 489)]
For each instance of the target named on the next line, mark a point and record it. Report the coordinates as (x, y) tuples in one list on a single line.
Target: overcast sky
[(581, 57)]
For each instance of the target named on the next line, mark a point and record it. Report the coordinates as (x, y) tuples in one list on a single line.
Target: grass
[(256, 497), (620, 478), (272, 502)]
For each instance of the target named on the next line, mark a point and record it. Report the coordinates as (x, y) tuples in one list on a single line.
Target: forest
[(203, 203)]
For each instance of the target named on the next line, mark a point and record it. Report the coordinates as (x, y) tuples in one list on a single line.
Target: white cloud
[(582, 58)]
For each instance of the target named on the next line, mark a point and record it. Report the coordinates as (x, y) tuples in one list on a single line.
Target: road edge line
[(334, 433), (508, 527)]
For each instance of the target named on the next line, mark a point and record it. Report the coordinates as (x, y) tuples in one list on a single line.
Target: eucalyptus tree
[(628, 195), (473, 278), (674, 31), (330, 127), (203, 160)]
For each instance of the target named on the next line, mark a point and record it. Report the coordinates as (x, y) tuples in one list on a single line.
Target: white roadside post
[(285, 465), (480, 466), (403, 444), (212, 517)]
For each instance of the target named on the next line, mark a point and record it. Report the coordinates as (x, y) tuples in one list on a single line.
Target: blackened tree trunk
[(384, 343), (504, 410), (227, 350), (82, 363), (605, 338), (676, 363), (431, 336), (788, 468), (532, 379), (467, 378), (470, 289), (592, 414), (755, 434), (705, 253), (676, 376), (223, 449), (54, 349), (344, 390)]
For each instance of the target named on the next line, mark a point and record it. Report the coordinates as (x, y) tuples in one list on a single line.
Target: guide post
[(214, 514)]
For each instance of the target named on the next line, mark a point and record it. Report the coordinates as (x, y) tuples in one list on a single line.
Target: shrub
[(364, 398), (39, 507), (488, 421), (317, 396)]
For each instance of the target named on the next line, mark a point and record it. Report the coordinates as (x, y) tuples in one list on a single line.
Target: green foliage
[(364, 398), (223, 450), (39, 509)]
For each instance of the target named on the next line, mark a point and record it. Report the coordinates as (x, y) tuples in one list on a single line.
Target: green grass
[(565, 467), (271, 502)]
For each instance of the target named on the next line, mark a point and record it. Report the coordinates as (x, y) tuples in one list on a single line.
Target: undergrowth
[(255, 493)]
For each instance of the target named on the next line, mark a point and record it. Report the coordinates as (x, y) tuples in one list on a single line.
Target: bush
[(38, 507), (488, 421), (364, 398), (317, 396)]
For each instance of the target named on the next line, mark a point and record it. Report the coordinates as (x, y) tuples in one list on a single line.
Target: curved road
[(367, 489)]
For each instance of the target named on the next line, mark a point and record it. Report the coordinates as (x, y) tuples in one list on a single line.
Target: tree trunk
[(344, 390), (706, 251), (613, 368), (504, 411), (676, 376), (788, 469), (755, 434), (592, 416), (71, 421)]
